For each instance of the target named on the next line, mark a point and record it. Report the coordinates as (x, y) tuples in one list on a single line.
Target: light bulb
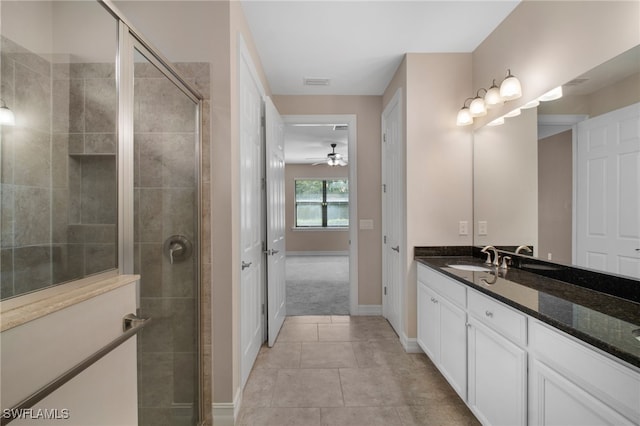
[(510, 88)]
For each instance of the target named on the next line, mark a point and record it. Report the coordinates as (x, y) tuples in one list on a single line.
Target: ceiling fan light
[(551, 95), (464, 117), (477, 107), (510, 88)]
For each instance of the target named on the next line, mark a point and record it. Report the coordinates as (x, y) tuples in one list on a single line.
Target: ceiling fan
[(333, 158)]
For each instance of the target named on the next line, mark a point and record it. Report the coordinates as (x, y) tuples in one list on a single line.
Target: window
[(322, 203)]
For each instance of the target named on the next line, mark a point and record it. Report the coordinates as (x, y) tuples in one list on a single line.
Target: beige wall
[(616, 96), (555, 195), (368, 110), (548, 43), (311, 240), (506, 181), (438, 157)]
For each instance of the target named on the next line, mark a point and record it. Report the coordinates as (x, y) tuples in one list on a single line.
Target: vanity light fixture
[(497, 122), (516, 112), (551, 95), (477, 108), (464, 115), (492, 98), (6, 115), (510, 88), (531, 104)]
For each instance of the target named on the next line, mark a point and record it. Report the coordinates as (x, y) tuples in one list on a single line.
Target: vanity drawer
[(498, 316), (445, 286)]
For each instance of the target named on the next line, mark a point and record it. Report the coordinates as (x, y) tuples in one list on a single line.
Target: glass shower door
[(165, 245)]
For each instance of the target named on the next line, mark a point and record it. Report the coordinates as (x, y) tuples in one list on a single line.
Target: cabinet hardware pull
[(489, 314)]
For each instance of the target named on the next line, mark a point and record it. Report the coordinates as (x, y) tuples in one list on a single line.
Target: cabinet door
[(555, 400), (497, 377), (453, 346), (429, 322)]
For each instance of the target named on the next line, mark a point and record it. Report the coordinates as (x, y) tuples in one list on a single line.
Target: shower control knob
[(177, 248)]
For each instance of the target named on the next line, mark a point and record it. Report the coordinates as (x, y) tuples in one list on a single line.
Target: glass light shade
[(7, 117), (477, 107), (516, 112), (464, 117), (497, 122), (532, 104), (492, 98), (510, 88), (551, 95)]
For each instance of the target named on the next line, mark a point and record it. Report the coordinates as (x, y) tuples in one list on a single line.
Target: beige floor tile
[(310, 319), (281, 355), (370, 387), (355, 331), (436, 415), (279, 417), (382, 353), (360, 416), (327, 355), (294, 332), (340, 318), (307, 388), (258, 391)]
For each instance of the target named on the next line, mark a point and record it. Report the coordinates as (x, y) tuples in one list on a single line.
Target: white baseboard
[(318, 253), (226, 413), (369, 310), (410, 344)]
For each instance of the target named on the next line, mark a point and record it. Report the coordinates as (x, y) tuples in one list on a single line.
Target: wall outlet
[(482, 227), (549, 256), (463, 227)]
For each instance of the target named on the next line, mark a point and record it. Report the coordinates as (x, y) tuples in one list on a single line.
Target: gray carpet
[(317, 285)]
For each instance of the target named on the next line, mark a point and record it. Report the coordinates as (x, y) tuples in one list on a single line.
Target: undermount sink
[(465, 267)]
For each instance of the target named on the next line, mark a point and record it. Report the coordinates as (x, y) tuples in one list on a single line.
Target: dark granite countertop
[(603, 320)]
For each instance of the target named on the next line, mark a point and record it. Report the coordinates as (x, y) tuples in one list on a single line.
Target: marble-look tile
[(162, 107), (437, 415), (150, 269), (307, 388), (354, 331), (282, 355), (258, 392), (31, 268), (327, 355), (60, 215), (149, 216), (99, 258), (32, 213), (292, 332), (7, 166), (7, 218), (25, 57), (6, 273), (92, 70), (68, 262), (178, 206), (100, 143), (99, 190), (100, 103), (60, 161), (157, 336), (32, 99), (279, 417), (149, 149), (184, 378), (360, 416), (370, 387), (32, 157), (183, 324), (178, 279), (179, 160), (156, 378), (387, 353)]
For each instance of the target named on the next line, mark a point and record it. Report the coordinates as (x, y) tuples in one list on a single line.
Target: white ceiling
[(358, 45)]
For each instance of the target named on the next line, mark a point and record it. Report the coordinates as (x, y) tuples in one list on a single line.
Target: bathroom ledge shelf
[(23, 309)]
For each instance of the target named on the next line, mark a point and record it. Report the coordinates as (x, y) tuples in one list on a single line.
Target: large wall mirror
[(564, 177), (58, 169)]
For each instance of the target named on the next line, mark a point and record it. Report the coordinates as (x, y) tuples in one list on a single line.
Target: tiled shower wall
[(165, 199), (58, 208)]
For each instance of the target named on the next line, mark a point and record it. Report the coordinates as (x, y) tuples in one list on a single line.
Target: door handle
[(245, 265), (396, 249), (271, 252)]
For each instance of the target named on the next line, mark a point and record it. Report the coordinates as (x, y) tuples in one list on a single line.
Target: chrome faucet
[(496, 257), (523, 248)]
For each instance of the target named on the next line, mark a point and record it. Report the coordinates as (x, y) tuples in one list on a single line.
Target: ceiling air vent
[(316, 81), (340, 127), (576, 81)]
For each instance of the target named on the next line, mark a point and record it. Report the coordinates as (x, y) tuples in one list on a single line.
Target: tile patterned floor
[(346, 371)]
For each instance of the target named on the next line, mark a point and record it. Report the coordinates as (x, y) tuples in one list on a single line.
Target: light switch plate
[(366, 224), (463, 227), (482, 227)]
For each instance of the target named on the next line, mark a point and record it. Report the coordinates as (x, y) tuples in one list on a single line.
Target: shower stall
[(101, 173)]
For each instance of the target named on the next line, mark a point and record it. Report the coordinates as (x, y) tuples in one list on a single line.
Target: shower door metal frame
[(130, 40)]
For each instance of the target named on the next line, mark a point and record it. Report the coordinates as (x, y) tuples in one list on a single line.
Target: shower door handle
[(396, 249), (271, 252), (245, 265)]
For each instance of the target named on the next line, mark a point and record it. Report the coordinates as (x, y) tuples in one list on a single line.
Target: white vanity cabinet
[(572, 384), (442, 326), (497, 377)]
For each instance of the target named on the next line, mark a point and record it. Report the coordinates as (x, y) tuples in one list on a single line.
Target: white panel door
[(608, 192), (275, 250), (392, 213), (251, 219)]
